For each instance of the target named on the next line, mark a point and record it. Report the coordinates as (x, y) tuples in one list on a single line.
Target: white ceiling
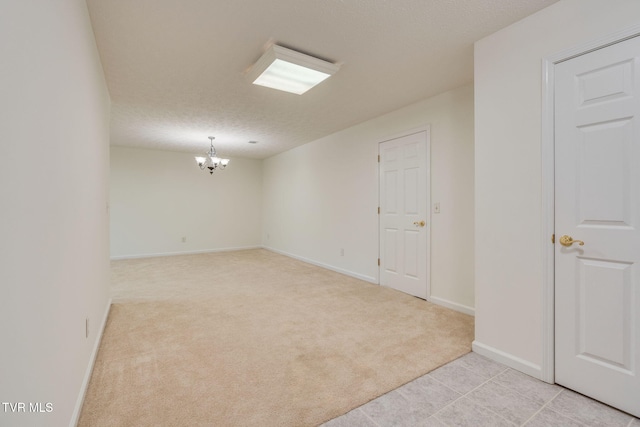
[(176, 68)]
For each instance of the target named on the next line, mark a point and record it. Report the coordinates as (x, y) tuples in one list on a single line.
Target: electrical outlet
[(436, 207), (341, 251), (184, 240)]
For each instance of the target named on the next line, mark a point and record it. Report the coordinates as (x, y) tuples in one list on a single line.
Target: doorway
[(404, 228), (596, 219)]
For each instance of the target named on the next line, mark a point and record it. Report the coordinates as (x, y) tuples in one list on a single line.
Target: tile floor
[(475, 391)]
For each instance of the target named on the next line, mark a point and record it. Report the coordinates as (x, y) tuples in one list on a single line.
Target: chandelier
[(211, 161)]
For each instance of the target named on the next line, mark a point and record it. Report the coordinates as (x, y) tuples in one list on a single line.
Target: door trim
[(427, 129), (548, 186)]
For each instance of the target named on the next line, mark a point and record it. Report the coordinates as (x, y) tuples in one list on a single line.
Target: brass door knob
[(419, 223), (568, 241)]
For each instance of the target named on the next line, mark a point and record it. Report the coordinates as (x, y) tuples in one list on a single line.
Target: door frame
[(427, 129), (548, 185)]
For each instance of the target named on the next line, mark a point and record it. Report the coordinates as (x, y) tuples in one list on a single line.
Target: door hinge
[(378, 261), (553, 238), (378, 210), (378, 158)]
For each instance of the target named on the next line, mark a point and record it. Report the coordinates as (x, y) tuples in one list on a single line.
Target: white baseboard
[(453, 305), (510, 360), (87, 375), (203, 251), (328, 267)]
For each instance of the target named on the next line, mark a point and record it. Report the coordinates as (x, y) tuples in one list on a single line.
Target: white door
[(403, 214), (597, 201)]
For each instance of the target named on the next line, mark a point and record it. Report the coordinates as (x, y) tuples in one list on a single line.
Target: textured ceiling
[(176, 68)]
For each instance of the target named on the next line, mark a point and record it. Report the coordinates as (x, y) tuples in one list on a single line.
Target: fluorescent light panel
[(285, 69)]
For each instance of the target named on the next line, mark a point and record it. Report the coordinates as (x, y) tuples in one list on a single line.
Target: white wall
[(323, 196), (54, 247), (508, 176), (159, 197)]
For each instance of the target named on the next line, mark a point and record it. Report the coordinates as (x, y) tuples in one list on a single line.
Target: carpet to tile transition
[(254, 338)]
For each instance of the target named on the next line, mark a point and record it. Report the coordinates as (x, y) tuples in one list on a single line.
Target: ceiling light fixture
[(285, 69), (211, 161)]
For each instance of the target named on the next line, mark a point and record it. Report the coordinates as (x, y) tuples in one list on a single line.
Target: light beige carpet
[(253, 338)]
